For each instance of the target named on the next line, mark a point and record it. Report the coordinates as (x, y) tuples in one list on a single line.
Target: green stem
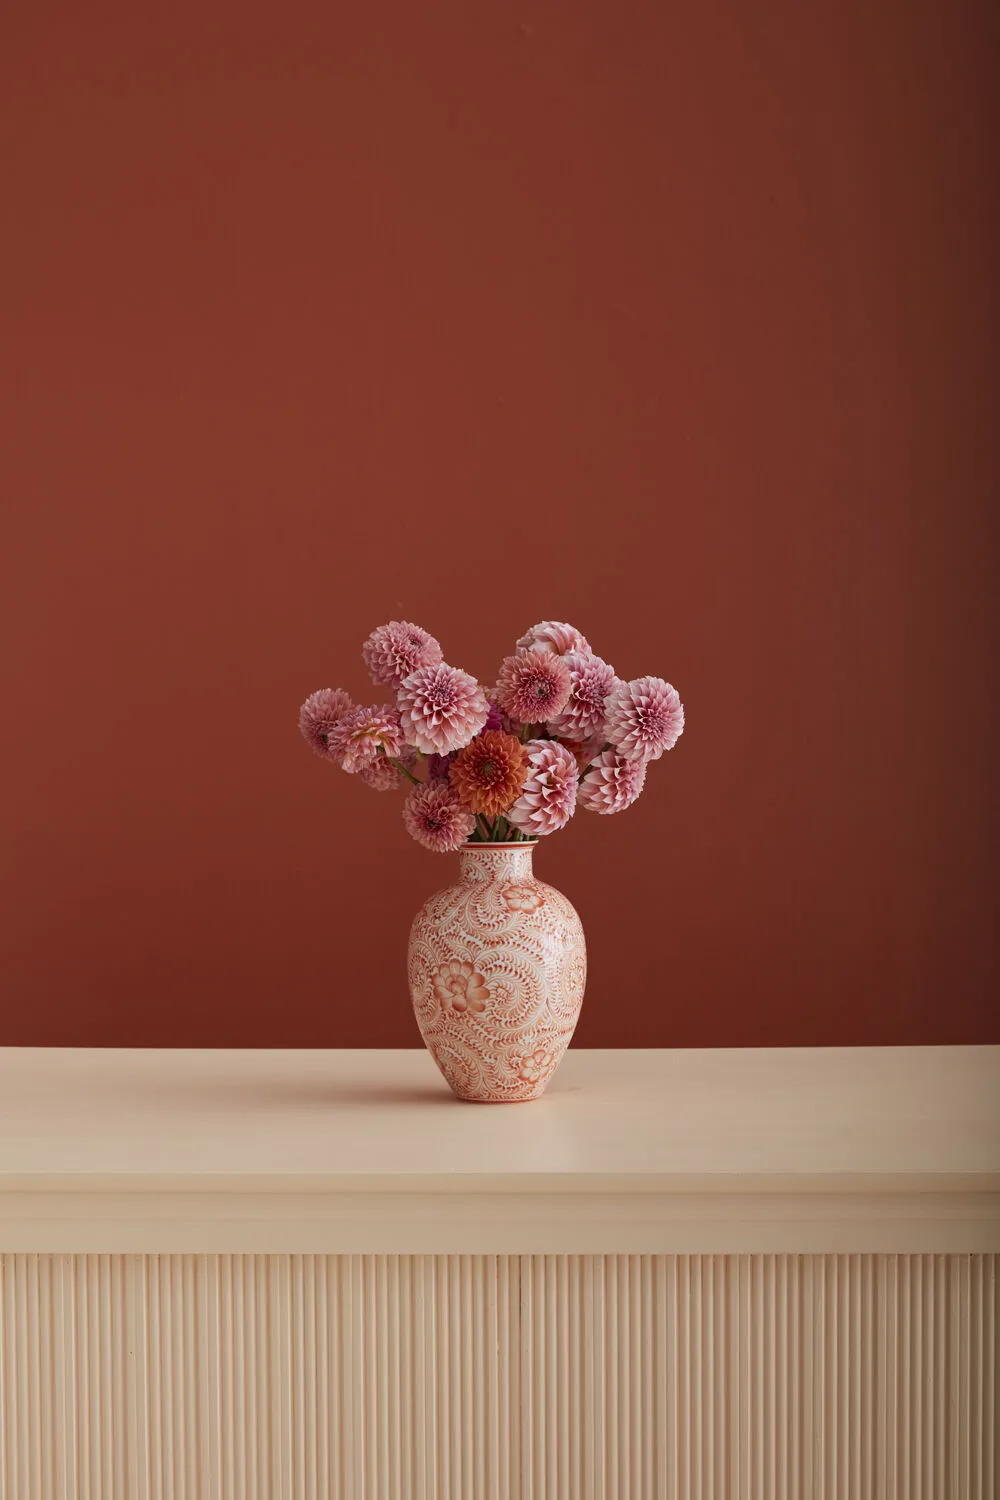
[(484, 829), (524, 733), (400, 767)]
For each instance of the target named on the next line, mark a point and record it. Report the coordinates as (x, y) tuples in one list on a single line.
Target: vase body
[(497, 968)]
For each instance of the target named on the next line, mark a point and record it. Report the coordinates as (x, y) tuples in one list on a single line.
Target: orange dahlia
[(489, 773)]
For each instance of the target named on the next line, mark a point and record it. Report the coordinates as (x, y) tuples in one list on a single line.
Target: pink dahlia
[(499, 720), (494, 718), (585, 752), (548, 800), (591, 680), (438, 766), (612, 783), (434, 816), (395, 650), (441, 708), (358, 737), (382, 776), (644, 718), (319, 714), (554, 636), (533, 687)]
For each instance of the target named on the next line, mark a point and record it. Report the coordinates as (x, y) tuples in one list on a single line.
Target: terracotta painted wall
[(675, 321)]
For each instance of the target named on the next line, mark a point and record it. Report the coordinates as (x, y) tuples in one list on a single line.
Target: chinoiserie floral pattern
[(523, 897), (458, 987), (497, 968), (537, 1068)]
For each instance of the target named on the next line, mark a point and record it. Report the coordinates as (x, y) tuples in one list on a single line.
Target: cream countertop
[(676, 1133)]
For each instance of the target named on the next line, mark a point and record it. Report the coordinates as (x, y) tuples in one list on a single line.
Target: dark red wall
[(675, 321)]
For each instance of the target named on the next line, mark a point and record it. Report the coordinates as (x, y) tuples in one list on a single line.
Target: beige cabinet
[(719, 1274)]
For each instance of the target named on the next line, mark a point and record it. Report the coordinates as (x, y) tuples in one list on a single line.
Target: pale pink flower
[(644, 717), (382, 776), (533, 686), (358, 737), (433, 815), (554, 636), (591, 680), (612, 783), (584, 752), (318, 715), (441, 708), (395, 650), (548, 799)]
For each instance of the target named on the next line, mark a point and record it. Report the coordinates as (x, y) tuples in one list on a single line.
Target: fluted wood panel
[(450, 1378)]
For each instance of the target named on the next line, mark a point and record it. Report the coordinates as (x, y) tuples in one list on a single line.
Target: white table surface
[(367, 1150)]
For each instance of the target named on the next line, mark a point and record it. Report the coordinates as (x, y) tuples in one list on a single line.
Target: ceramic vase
[(497, 968)]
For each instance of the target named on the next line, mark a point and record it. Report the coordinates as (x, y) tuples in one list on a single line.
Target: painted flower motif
[(612, 783), (433, 815), (533, 686), (644, 717), (488, 774), (548, 800), (523, 898), (536, 1067), (382, 776), (357, 738), (591, 680), (458, 987), (395, 650), (554, 636), (441, 709), (318, 716)]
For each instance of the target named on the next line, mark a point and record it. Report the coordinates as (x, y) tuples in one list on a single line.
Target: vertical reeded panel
[(517, 1377)]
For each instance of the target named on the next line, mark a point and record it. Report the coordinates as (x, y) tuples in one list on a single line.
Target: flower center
[(488, 770)]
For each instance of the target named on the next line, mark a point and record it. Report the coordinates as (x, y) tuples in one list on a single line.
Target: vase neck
[(496, 861)]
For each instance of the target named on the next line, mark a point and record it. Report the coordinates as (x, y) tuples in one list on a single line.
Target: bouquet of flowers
[(558, 730)]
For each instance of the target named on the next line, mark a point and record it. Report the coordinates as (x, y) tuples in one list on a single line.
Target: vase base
[(500, 1099)]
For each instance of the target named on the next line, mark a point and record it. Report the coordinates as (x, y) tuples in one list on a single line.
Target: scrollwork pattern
[(497, 969)]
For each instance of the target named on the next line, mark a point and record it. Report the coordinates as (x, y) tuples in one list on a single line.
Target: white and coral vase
[(497, 967)]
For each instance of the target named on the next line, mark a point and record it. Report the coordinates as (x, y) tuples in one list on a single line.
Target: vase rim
[(483, 848)]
